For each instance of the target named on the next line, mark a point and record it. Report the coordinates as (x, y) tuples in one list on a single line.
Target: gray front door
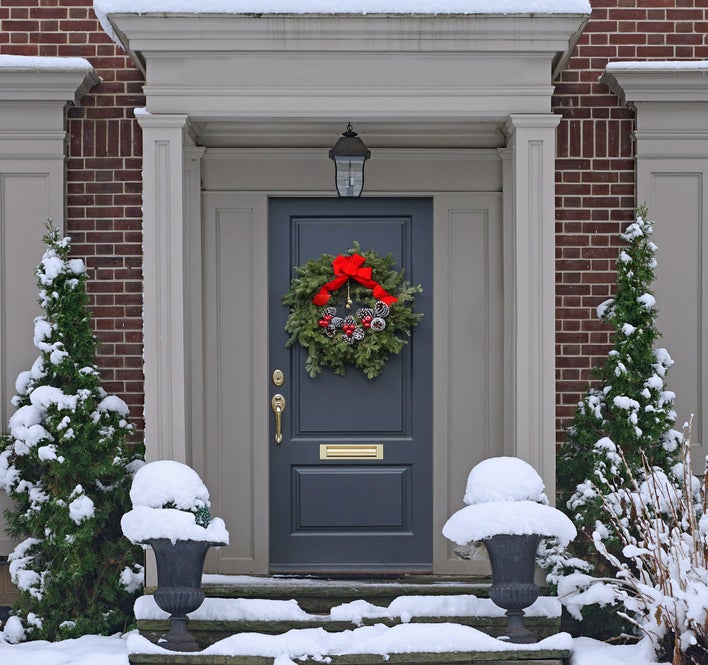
[(329, 514)]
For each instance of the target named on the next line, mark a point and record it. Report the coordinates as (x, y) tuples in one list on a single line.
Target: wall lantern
[(349, 154)]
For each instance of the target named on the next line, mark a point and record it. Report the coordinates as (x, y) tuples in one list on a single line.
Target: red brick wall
[(103, 177), (594, 190), (595, 169)]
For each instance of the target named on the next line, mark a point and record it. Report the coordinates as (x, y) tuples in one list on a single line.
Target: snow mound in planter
[(166, 482), (143, 523), (166, 495), (484, 520), (504, 479)]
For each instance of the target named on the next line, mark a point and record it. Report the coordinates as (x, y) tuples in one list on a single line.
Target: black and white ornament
[(354, 328)]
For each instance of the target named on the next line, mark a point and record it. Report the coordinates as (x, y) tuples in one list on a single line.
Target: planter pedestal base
[(179, 578), (513, 559), (176, 599), (516, 632)]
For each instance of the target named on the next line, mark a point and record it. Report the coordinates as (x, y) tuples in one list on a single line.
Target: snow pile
[(92, 649), (229, 609), (81, 508), (403, 608), (406, 608), (318, 644), (171, 501), (505, 496), (166, 482), (482, 521), (504, 479)]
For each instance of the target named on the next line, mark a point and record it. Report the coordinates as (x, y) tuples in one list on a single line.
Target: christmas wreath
[(353, 309)]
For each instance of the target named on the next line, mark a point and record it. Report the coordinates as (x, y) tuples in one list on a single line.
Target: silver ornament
[(378, 324), (381, 309)]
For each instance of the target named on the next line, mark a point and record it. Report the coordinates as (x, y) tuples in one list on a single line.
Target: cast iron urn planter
[(179, 581), (513, 560)]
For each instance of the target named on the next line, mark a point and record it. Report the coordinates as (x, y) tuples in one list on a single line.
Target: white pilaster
[(166, 290), (529, 187)]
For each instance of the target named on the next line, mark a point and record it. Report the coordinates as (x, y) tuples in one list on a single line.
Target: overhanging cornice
[(145, 34), (637, 82), (53, 82), (370, 67)]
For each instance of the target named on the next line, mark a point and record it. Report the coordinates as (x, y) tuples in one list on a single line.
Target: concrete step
[(207, 633), (232, 608), (520, 657), (320, 595)]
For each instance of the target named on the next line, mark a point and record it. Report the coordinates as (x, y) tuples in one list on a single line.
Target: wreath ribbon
[(352, 267)]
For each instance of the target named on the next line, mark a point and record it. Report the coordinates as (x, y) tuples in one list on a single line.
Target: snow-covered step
[(219, 618), (525, 657), (320, 595), (405, 644)]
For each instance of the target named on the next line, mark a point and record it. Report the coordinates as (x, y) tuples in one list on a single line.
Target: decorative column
[(166, 288), (529, 223)]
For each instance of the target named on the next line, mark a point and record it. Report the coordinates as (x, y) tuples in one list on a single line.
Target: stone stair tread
[(208, 632), (252, 586), (273, 607), (516, 657), (278, 626)]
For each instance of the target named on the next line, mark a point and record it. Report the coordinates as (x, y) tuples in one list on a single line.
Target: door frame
[(448, 209), (187, 104)]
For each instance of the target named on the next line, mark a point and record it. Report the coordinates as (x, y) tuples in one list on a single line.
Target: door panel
[(382, 507), (352, 514)]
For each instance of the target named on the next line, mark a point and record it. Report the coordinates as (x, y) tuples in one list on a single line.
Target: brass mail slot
[(351, 451)]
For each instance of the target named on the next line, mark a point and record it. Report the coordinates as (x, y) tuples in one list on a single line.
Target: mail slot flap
[(351, 451)]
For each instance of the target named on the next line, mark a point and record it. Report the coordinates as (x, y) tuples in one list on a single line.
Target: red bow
[(346, 267)]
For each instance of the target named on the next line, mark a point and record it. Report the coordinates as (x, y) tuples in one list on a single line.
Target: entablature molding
[(670, 99), (366, 67), (34, 93), (658, 81)]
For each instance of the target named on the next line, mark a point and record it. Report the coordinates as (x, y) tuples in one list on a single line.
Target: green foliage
[(630, 407), (369, 354), (65, 465), (202, 515)]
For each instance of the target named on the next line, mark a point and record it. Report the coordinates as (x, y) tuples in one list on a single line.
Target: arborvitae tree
[(66, 465), (630, 405)]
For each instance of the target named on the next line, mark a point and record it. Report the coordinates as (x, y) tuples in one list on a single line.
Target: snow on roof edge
[(663, 65), (43, 63), (103, 8), (342, 6)]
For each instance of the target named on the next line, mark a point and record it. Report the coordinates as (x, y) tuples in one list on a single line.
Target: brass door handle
[(278, 406)]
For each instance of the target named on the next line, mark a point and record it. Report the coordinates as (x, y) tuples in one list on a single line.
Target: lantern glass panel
[(349, 175)]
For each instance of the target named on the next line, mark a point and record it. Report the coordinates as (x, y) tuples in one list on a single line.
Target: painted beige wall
[(32, 118)]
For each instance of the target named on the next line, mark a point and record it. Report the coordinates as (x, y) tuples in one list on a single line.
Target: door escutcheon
[(278, 406), (278, 378)]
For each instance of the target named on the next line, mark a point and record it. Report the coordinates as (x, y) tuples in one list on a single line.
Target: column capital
[(531, 121), (167, 121)]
